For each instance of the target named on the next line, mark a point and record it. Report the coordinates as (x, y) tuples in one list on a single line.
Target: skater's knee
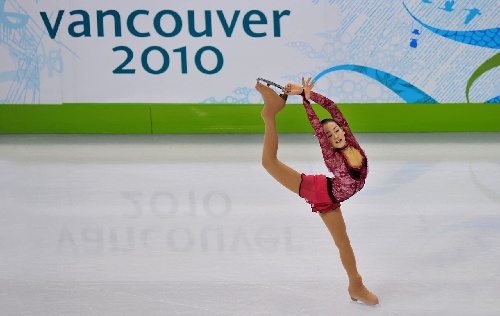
[(342, 242)]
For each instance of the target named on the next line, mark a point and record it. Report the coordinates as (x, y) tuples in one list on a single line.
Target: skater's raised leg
[(285, 175)]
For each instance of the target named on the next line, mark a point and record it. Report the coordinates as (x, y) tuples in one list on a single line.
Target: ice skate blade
[(356, 301), (270, 83)]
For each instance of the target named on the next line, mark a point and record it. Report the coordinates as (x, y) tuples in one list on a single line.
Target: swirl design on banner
[(489, 38), (402, 88), (491, 63)]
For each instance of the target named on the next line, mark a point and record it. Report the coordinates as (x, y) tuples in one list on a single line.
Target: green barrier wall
[(226, 118)]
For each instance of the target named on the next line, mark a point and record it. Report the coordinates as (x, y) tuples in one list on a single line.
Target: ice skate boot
[(359, 292), (273, 103), (270, 83)]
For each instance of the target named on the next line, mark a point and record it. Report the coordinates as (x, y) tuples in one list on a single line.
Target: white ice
[(193, 225)]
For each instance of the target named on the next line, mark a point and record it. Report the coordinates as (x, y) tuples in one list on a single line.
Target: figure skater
[(343, 157)]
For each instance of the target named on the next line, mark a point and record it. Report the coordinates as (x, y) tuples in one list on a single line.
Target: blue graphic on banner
[(489, 38), (7, 76), (23, 40), (317, 1), (349, 43), (414, 40), (494, 100), (22, 47), (472, 14), (448, 6), (245, 93), (12, 20), (52, 60), (402, 88)]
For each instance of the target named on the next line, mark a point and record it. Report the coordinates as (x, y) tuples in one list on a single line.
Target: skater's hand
[(295, 89), (307, 86)]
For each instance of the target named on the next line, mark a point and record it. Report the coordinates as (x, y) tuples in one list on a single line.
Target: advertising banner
[(196, 51)]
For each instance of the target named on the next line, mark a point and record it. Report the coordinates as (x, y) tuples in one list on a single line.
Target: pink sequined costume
[(347, 179)]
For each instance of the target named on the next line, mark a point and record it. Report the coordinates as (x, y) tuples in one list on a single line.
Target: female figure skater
[(343, 157)]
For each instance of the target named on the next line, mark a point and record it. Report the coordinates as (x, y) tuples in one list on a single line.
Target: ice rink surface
[(193, 225)]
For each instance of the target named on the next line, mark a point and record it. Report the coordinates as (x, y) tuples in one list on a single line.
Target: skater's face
[(335, 134)]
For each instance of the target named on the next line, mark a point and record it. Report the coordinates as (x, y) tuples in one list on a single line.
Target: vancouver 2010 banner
[(198, 51)]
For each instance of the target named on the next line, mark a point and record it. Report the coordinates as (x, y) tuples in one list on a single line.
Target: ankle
[(355, 280)]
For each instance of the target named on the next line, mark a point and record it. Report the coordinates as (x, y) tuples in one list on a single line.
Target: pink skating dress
[(347, 180)]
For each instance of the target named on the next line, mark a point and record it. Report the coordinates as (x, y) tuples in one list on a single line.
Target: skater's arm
[(326, 147), (336, 114), (332, 108), (307, 93)]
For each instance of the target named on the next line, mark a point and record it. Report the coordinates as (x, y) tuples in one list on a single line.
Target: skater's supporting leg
[(334, 221)]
